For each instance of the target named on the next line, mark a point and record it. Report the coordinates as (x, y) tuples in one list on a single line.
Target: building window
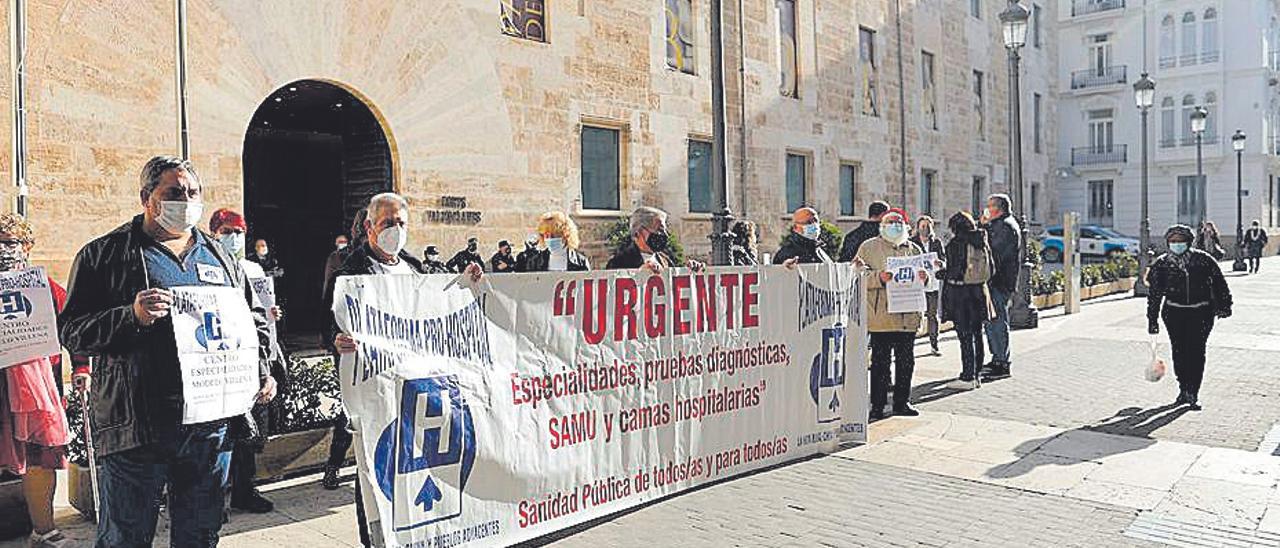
[(1211, 122), (1101, 130), (1168, 49), (1189, 53), (930, 90), (848, 189), (976, 194), (789, 48), (1168, 123), (525, 19), (928, 180), (1191, 204), (679, 36), (699, 176), (1209, 45), (870, 76), (797, 176), (1188, 107), (975, 8), (979, 106), (1037, 121), (1101, 208), (1100, 54), (1034, 212), (601, 161), (1036, 22)]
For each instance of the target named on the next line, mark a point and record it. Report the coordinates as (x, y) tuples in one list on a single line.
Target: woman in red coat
[(33, 420)]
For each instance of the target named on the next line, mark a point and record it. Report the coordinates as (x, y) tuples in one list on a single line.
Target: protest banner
[(265, 290), (217, 351), (28, 320), (496, 413), (905, 291)]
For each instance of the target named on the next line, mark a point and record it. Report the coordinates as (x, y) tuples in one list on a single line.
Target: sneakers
[(905, 410), (253, 503), (52, 539), (330, 480), (961, 384)]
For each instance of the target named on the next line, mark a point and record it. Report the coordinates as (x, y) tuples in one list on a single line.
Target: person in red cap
[(229, 227), (893, 335)]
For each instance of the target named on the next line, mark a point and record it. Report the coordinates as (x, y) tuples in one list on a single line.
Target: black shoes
[(1191, 400), (995, 371), (905, 410), (330, 480), (253, 503)]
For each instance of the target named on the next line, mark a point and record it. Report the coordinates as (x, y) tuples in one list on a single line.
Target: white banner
[(28, 320), (533, 402), (905, 291), (217, 351), (265, 290)]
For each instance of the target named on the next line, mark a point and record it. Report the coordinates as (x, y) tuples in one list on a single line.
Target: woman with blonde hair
[(558, 239)]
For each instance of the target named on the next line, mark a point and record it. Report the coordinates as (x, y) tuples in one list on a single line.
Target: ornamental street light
[(1237, 143), (1013, 20), (1144, 93), (1198, 117), (721, 217)]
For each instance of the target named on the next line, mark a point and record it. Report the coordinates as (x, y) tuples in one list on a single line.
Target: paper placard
[(28, 319), (217, 351)]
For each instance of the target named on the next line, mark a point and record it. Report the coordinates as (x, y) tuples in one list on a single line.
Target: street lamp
[(1237, 143), (1144, 93), (1013, 21), (721, 217)]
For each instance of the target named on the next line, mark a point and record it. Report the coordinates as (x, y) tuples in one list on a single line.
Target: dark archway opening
[(313, 155)]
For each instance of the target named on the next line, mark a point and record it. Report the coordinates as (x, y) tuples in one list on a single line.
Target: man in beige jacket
[(892, 335)]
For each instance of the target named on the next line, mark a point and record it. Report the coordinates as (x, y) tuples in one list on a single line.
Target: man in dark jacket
[(1255, 240), (530, 249), (1190, 286), (1006, 250), (867, 230), (502, 261), (118, 309), (802, 245), (466, 257), (649, 245), (432, 264)]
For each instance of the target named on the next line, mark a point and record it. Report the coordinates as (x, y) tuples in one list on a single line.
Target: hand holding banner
[(28, 321)]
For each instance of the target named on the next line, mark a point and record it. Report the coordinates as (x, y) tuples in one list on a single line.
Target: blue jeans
[(998, 329), (193, 462)]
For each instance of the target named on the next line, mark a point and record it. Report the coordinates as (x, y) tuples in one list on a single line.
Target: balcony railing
[(1273, 59), (1092, 156), (1086, 7), (1083, 79), (1169, 143), (1169, 62), (1188, 59), (1210, 57), (1190, 140)]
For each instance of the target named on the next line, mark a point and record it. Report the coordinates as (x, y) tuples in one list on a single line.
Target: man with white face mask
[(892, 334), (118, 310)]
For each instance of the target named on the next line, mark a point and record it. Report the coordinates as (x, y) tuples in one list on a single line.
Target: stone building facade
[(483, 130)]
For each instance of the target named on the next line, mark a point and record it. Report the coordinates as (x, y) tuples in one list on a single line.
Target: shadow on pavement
[(1133, 425), (933, 391)]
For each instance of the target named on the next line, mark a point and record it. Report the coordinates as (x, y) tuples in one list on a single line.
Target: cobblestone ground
[(835, 501)]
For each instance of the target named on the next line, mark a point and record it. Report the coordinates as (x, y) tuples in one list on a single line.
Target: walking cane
[(86, 413)]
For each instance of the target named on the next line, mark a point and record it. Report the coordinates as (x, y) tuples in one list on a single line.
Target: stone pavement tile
[(1119, 494), (1157, 466), (1238, 467), (1271, 520), (1216, 502), (1042, 473)]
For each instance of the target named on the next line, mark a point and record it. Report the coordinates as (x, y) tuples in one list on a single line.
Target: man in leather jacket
[(803, 244), (1190, 286), (118, 310)]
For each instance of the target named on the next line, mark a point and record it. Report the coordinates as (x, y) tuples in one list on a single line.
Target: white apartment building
[(1223, 55)]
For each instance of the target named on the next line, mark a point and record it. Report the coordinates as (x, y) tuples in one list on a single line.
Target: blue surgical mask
[(894, 232), (812, 231), (1178, 248), (555, 244), (234, 243)]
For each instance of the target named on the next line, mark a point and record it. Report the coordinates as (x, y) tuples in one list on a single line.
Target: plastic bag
[(1157, 367)]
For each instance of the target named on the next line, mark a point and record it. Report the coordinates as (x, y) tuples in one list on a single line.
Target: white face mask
[(555, 244), (342, 246), (392, 240), (895, 233), (233, 243), (433, 257), (179, 217)]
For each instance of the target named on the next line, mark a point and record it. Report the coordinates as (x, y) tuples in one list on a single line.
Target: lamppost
[(1237, 143), (1197, 128), (1144, 93), (720, 236), (1022, 313)]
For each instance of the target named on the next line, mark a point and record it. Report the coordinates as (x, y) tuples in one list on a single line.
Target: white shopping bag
[(1157, 367)]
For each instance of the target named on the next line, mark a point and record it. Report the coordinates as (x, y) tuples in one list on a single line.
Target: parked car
[(1095, 240)]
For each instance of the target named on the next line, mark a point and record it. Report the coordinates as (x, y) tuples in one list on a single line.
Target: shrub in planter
[(831, 238), (310, 399), (619, 235)]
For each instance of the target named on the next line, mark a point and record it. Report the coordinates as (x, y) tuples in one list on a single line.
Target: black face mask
[(471, 248), (657, 241)]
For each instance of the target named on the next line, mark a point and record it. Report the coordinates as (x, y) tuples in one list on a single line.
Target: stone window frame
[(688, 207), (808, 183), (858, 176), (624, 162)]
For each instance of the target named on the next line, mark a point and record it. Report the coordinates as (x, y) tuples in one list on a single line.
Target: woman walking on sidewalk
[(965, 300), (1192, 290)]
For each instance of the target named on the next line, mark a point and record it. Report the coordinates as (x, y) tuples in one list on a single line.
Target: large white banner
[(217, 351), (527, 403), (28, 321)]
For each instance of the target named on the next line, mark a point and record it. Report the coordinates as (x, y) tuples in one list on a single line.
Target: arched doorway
[(313, 155)]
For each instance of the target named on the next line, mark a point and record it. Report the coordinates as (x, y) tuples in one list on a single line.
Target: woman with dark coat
[(927, 239), (1190, 286), (559, 238), (743, 251), (965, 300)]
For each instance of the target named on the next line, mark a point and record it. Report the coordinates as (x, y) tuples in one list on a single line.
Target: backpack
[(977, 268)]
